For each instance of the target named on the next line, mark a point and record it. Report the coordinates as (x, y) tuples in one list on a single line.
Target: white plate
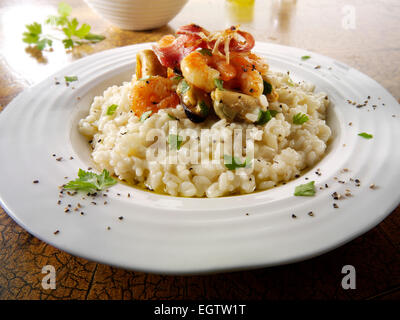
[(165, 234)]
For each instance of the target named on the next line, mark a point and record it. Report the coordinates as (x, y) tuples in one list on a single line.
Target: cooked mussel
[(147, 65), (196, 102), (233, 106)]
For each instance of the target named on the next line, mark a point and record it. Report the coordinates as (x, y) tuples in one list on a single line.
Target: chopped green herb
[(300, 118), (305, 57), (305, 190), (70, 78), (290, 82), (177, 78), (145, 115), (232, 163), (265, 116), (94, 37), (175, 141), (366, 135), (172, 117), (205, 52), (111, 109), (204, 110), (183, 87), (267, 88), (219, 83), (273, 112), (90, 181)]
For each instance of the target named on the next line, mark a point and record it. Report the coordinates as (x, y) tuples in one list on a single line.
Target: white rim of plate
[(171, 235)]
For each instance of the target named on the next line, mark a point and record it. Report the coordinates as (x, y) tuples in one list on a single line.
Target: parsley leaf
[(366, 135), (205, 52), (300, 118), (64, 10), (267, 88), (219, 83), (90, 181), (177, 78), (305, 57), (232, 163), (70, 78), (172, 117), (111, 109), (183, 87), (290, 82), (175, 141), (265, 116), (145, 115), (204, 109), (74, 35), (94, 37), (305, 190), (34, 36)]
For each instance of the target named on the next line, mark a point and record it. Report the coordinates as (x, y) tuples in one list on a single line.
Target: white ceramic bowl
[(137, 14)]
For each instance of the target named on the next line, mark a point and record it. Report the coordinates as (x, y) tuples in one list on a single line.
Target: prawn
[(248, 78), (153, 94), (201, 70), (195, 69)]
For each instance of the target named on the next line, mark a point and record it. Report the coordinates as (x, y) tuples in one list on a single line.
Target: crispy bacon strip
[(172, 54), (192, 29)]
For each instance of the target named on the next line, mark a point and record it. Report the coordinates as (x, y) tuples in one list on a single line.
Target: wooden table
[(372, 46)]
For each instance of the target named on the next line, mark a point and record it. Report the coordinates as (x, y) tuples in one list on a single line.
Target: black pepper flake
[(59, 202), (35, 181), (108, 228), (57, 83), (105, 202), (121, 218), (294, 216), (59, 159), (129, 195), (311, 214), (326, 185), (335, 206), (335, 196), (94, 203), (82, 213), (251, 90), (317, 67), (56, 232), (54, 154), (297, 175)]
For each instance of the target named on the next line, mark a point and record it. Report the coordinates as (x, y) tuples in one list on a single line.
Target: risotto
[(169, 152)]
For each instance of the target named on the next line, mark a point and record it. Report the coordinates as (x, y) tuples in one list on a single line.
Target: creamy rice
[(281, 149)]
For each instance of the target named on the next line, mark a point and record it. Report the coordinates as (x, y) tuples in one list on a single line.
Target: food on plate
[(204, 116)]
